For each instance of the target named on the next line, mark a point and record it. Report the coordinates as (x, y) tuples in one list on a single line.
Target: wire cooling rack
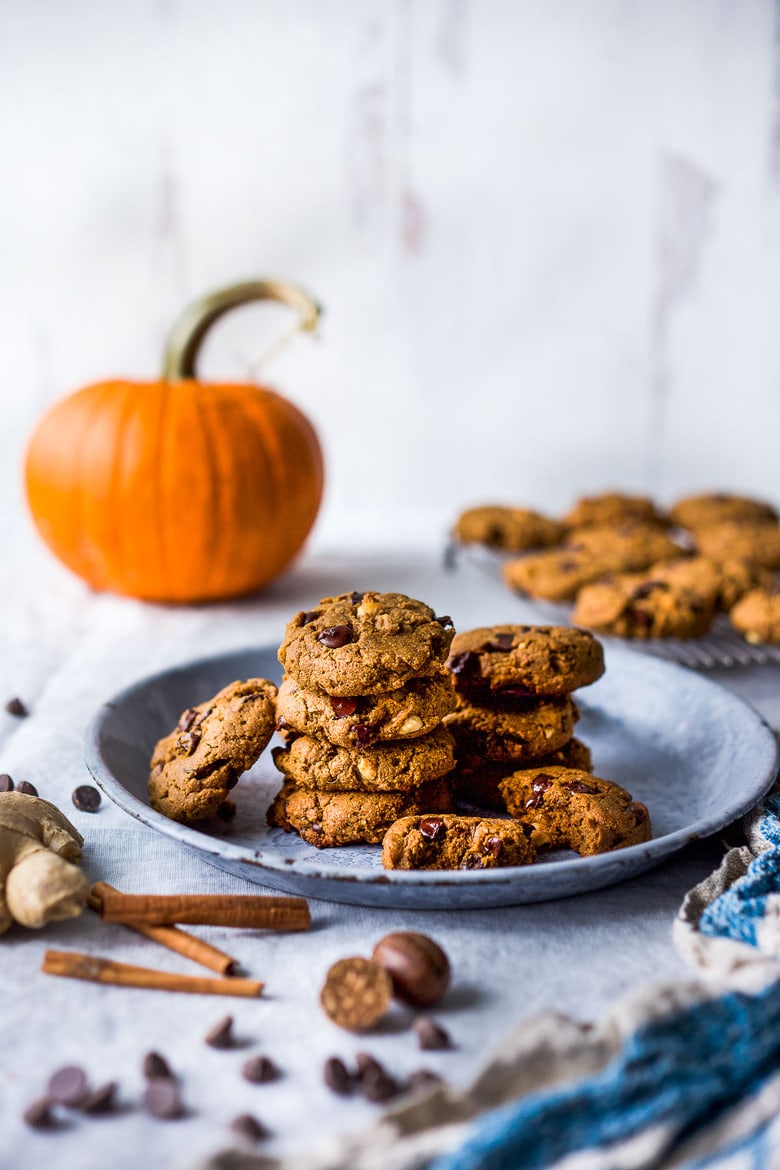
[(720, 646)]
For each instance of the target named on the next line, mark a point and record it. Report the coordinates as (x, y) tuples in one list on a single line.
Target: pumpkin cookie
[(610, 508), (524, 660), (364, 643), (349, 818), (476, 782), (758, 542), (357, 720), (626, 547), (516, 731), (757, 616), (195, 767), (513, 529), (566, 807), (555, 575), (396, 766), (720, 582), (454, 842), (718, 508), (633, 606)]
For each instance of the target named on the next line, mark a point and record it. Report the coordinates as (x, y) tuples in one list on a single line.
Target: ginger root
[(40, 849)]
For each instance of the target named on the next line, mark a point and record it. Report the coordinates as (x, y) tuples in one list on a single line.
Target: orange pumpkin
[(179, 490)]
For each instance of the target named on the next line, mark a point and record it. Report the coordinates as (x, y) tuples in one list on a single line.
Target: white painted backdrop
[(546, 232)]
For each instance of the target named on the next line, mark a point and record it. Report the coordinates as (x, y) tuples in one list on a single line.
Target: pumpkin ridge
[(85, 540), (122, 566), (158, 486), (216, 526)]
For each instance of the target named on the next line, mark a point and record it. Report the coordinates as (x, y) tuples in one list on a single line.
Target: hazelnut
[(418, 966), (411, 725), (366, 768)]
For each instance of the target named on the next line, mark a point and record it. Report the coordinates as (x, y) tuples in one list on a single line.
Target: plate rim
[(654, 850)]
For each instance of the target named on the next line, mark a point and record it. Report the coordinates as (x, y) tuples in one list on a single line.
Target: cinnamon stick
[(255, 911), (174, 939), (94, 969)]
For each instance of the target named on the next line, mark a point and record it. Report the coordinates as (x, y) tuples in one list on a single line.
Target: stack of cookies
[(361, 706), (514, 707)]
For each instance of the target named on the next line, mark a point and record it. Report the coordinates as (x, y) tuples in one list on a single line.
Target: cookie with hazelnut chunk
[(396, 766), (355, 721), (513, 529), (365, 643), (455, 842), (718, 508), (612, 508), (633, 605), (524, 660), (757, 616)]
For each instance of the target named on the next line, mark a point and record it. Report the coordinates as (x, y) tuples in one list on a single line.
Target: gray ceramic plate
[(694, 753)]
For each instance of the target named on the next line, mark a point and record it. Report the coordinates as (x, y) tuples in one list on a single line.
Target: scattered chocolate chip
[(579, 786), (260, 1070), (464, 664), (156, 1068), (356, 597), (430, 1035), (335, 636), (337, 1077), (473, 861), (422, 1076), (501, 644), (362, 734), (27, 788), (227, 810), (187, 719), (221, 1035), (86, 798), (6, 783), (162, 1099), (68, 1085), (377, 1085), (431, 828), (493, 845), (446, 620), (189, 741), (539, 786), (248, 1127), (39, 1115), (343, 706), (310, 615), (102, 1100), (16, 707), (365, 1063), (418, 967)]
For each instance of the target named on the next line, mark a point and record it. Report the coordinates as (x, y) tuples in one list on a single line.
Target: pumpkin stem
[(188, 332)]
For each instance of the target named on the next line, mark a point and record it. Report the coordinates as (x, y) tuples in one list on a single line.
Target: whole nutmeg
[(418, 966)]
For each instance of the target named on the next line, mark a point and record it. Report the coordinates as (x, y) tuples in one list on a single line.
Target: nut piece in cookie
[(636, 606), (194, 768), (476, 782), (355, 721), (326, 819), (455, 842), (517, 729), (516, 661), (718, 508), (611, 508), (757, 616), (365, 643), (513, 529), (569, 808), (398, 766), (757, 542)]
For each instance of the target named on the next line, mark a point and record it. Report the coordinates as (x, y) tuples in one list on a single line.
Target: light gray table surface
[(64, 651)]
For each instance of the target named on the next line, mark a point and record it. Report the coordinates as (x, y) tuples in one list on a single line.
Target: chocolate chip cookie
[(354, 721), (624, 547), (554, 575), (516, 730), (757, 542), (365, 643), (757, 616), (720, 582), (397, 766), (567, 808), (718, 508), (631, 606), (349, 818), (455, 842), (513, 529), (476, 782), (514, 661), (194, 768), (610, 508)]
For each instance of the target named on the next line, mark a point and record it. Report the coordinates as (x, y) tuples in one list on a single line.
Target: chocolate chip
[(579, 786), (647, 589), (422, 1076), (472, 861), (156, 1068), (431, 828), (221, 1035), (493, 845), (260, 1070), (502, 643), (187, 719), (248, 1127), (27, 788), (337, 1077), (430, 1035), (343, 707), (39, 1115), (642, 619), (639, 812), (86, 798), (16, 707), (6, 783), (310, 616), (464, 664), (102, 1100), (377, 1085), (515, 691), (335, 636), (190, 740), (366, 1064), (162, 1099), (68, 1085), (539, 786), (356, 597), (444, 621), (362, 734), (281, 723)]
